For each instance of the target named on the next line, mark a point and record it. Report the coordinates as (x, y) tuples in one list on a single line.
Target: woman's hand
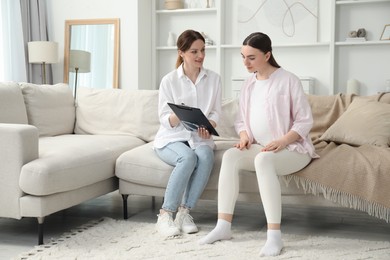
[(275, 146), (244, 141), (213, 123), (203, 133), (280, 144), (174, 120)]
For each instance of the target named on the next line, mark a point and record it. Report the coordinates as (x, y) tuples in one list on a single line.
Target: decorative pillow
[(12, 108), (364, 122), (225, 126), (117, 111), (50, 108)]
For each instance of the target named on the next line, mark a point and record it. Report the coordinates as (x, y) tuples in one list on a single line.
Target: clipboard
[(192, 118)]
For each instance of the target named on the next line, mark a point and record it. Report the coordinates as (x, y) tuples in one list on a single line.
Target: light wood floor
[(17, 236)]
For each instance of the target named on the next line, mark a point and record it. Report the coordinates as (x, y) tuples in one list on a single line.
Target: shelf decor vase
[(171, 39)]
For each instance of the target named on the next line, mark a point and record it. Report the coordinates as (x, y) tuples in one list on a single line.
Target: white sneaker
[(185, 222), (165, 225)]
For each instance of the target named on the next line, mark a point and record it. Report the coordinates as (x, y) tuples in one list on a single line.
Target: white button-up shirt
[(177, 88)]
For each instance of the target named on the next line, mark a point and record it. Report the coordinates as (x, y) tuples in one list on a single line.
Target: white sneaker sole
[(190, 230), (171, 233)]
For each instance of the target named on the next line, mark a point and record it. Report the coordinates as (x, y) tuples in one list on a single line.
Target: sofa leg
[(153, 202), (40, 230), (125, 213)]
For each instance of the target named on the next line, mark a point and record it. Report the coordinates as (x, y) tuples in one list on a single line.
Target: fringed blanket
[(355, 177)]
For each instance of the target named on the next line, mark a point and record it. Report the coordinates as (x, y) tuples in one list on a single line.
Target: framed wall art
[(386, 33), (285, 22)]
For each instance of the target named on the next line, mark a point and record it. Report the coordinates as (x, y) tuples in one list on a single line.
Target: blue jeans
[(190, 175)]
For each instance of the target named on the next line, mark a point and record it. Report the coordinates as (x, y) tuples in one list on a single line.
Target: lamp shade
[(80, 60), (42, 52)]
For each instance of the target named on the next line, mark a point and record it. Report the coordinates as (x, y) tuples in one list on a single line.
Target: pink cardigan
[(287, 108)]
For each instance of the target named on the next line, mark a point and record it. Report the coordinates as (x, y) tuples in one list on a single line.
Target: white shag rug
[(134, 239)]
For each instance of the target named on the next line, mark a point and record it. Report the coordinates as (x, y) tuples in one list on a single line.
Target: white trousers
[(268, 166)]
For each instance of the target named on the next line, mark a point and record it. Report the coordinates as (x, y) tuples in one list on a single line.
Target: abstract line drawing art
[(285, 21)]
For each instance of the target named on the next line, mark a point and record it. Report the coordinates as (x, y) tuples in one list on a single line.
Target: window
[(12, 56), (1, 46)]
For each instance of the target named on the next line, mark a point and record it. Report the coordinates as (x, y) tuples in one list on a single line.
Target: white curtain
[(12, 49), (34, 26)]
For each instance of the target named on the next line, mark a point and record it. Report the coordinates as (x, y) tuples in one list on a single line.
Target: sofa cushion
[(225, 126), (141, 165), (364, 122), (69, 162), (50, 108), (117, 111), (12, 108)]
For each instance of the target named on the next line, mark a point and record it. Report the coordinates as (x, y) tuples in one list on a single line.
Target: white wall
[(135, 41), (135, 68), (304, 61)]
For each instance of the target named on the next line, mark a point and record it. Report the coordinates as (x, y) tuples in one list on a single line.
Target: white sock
[(274, 243), (222, 231)]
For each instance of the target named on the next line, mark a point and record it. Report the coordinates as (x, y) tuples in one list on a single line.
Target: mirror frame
[(68, 25)]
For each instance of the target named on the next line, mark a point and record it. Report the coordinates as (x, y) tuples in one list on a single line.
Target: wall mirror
[(99, 37)]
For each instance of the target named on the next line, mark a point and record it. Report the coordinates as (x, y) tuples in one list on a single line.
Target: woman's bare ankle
[(226, 216)]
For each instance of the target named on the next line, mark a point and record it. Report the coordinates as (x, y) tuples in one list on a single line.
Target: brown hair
[(185, 41), (261, 42)]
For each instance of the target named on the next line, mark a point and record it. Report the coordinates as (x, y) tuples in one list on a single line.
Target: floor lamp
[(42, 52), (79, 62)]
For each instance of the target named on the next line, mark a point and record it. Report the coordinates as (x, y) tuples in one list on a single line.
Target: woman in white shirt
[(190, 152), (273, 124)]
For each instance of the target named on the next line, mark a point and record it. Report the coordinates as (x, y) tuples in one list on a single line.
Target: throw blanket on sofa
[(352, 176)]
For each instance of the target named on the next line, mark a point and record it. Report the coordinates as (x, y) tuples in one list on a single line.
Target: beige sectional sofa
[(56, 153), (350, 133), (48, 162)]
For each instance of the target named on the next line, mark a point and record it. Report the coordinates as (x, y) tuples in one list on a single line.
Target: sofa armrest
[(19, 145)]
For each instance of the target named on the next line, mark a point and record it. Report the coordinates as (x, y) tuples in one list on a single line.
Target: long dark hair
[(262, 42), (185, 41)]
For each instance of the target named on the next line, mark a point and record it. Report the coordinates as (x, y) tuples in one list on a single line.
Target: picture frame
[(386, 33)]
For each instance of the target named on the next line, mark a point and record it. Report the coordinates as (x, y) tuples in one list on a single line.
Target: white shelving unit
[(330, 62), (176, 21), (368, 61)]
